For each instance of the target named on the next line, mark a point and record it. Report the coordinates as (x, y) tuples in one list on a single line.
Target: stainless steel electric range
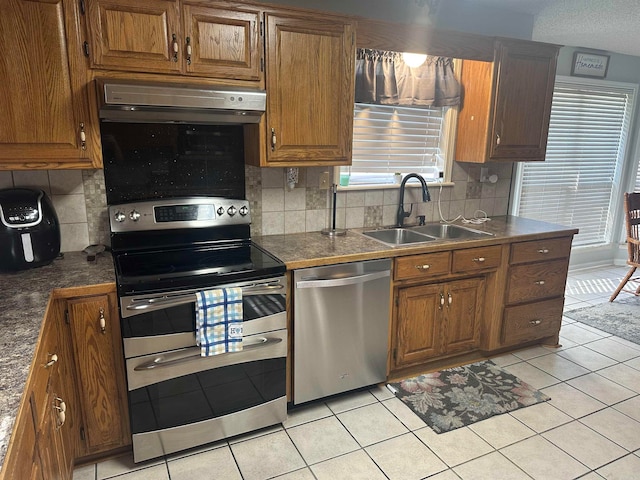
[(165, 251)]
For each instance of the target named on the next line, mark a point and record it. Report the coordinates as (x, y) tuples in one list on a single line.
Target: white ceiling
[(611, 25)]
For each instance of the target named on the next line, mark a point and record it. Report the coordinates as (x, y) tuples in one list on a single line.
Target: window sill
[(392, 186)]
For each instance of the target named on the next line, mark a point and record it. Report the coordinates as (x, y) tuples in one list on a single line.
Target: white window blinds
[(389, 139), (576, 183)]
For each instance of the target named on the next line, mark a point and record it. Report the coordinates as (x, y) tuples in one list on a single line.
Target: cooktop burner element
[(189, 242)]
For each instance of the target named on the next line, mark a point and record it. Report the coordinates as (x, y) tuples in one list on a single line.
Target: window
[(578, 184), (390, 138)]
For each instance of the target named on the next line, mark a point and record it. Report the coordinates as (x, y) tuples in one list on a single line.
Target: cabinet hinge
[(397, 301), (82, 436), (262, 64), (353, 38), (85, 48), (395, 353), (83, 7), (261, 28), (66, 317)]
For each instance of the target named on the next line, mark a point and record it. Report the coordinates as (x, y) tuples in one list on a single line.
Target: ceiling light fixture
[(414, 59)]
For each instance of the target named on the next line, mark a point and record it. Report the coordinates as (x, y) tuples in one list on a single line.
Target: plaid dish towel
[(219, 321)]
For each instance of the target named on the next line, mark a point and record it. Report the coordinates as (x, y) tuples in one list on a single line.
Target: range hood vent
[(156, 103)]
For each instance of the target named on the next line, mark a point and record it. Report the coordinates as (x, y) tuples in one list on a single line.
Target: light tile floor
[(589, 429)]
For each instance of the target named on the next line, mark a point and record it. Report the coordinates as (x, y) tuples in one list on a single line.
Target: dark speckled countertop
[(24, 297), (311, 249)]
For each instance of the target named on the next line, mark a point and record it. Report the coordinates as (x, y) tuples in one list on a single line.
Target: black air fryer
[(29, 229)]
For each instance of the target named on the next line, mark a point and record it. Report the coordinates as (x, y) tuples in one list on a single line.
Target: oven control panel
[(170, 213)]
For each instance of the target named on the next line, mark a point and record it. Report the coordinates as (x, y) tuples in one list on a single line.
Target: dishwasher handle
[(342, 281)]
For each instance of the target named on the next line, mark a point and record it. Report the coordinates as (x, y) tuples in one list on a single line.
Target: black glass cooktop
[(193, 267)]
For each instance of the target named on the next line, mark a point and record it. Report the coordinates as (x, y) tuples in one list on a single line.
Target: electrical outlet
[(324, 181)]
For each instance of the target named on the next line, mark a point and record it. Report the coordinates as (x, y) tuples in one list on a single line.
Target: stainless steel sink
[(398, 236), (448, 231)]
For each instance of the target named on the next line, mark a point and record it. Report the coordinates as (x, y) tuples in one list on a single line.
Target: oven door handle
[(162, 360), (164, 302)]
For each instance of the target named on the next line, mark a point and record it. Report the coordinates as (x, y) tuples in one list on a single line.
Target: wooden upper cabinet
[(221, 42), (507, 104), (133, 35), (44, 99), (310, 90), (173, 37)]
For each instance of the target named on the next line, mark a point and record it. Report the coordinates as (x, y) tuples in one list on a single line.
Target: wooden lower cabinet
[(74, 404), (94, 334), (535, 285), (436, 319)]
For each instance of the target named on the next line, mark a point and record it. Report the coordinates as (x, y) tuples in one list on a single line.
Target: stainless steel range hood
[(157, 103)]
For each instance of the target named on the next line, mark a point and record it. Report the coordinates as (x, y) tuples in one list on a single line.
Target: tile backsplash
[(80, 201), (278, 209)]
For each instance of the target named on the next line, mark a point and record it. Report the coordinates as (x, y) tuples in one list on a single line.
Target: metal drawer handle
[(102, 321), (61, 415), (423, 267), (441, 301), (160, 360), (535, 322), (543, 250), (479, 259), (53, 359), (450, 299), (539, 282)]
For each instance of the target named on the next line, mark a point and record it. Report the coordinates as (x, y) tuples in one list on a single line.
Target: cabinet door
[(523, 94), (310, 90), (96, 340), (418, 324), (133, 35), (44, 99), (463, 300), (222, 43)]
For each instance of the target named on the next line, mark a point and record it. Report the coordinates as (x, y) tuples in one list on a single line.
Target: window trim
[(449, 126)]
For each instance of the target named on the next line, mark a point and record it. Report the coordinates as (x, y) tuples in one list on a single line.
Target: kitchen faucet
[(425, 197)]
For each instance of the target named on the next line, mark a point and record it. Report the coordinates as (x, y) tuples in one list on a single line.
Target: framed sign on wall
[(589, 65)]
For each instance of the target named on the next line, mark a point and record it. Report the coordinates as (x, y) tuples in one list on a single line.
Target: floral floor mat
[(460, 396)]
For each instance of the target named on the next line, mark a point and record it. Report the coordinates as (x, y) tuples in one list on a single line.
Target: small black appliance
[(29, 229)]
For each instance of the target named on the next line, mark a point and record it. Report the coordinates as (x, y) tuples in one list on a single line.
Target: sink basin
[(398, 236), (447, 231)]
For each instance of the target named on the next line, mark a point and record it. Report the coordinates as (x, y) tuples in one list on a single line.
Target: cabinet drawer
[(472, 259), (421, 266), (532, 321), (538, 250), (537, 281)]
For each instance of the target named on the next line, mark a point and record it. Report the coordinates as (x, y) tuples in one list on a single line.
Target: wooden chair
[(632, 220)]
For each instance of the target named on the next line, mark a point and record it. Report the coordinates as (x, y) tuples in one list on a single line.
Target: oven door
[(158, 322), (178, 399)]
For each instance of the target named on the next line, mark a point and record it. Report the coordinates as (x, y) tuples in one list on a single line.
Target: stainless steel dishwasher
[(341, 325)]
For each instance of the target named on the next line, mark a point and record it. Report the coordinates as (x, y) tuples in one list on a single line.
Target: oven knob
[(134, 215), (232, 210), (220, 211), (244, 210), (119, 216)]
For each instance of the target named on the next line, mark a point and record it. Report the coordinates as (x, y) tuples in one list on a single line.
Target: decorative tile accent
[(373, 216), (95, 196), (316, 199)]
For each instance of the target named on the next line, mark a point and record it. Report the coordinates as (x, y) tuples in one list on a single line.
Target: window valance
[(384, 78)]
